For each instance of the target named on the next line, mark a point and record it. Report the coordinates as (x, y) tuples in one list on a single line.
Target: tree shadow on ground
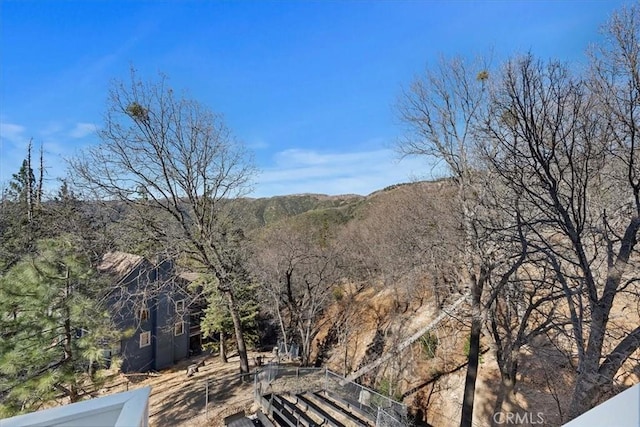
[(190, 401), (177, 399), (542, 392)]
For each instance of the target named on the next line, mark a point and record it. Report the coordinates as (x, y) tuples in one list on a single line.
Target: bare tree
[(273, 266), (164, 153), (559, 147), (407, 239), (298, 268), (442, 110), (521, 306), (616, 85)]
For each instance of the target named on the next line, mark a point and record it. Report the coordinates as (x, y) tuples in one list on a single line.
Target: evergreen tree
[(53, 328), (20, 206), (65, 214), (217, 318), (22, 186)]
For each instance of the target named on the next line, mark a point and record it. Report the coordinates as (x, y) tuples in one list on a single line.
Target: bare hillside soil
[(178, 400), (433, 387)]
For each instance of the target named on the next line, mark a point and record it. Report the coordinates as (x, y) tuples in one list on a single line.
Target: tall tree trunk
[(305, 337), (237, 326), (346, 350), (283, 329), (68, 337), (584, 392), (223, 348), (588, 381), (508, 372), (29, 184), (472, 373), (40, 178), (474, 350)]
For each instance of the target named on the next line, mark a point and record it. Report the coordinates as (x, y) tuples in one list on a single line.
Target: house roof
[(119, 264), (127, 409)]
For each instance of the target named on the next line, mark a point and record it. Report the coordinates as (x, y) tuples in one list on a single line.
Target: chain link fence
[(366, 399), (384, 419), (274, 378)]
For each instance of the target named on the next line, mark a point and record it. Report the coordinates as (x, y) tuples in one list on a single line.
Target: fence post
[(255, 384), (206, 398)]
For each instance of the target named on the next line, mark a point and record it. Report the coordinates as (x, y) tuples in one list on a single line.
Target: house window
[(145, 338), (143, 314), (180, 306), (178, 329)]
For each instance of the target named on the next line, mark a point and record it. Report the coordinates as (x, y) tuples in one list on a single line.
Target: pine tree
[(217, 319), (20, 206), (65, 214), (53, 328)]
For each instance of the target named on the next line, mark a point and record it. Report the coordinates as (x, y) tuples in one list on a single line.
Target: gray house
[(149, 303)]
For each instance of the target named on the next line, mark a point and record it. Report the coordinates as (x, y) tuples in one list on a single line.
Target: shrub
[(338, 293), (387, 388), (429, 344)]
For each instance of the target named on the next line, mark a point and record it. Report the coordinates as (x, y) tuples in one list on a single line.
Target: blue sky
[(308, 86)]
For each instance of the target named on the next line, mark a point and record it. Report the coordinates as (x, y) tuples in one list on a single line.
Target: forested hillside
[(254, 213)]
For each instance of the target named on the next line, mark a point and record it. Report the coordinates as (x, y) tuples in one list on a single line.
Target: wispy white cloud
[(257, 144), (51, 129), (308, 171), (11, 132), (82, 129)]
